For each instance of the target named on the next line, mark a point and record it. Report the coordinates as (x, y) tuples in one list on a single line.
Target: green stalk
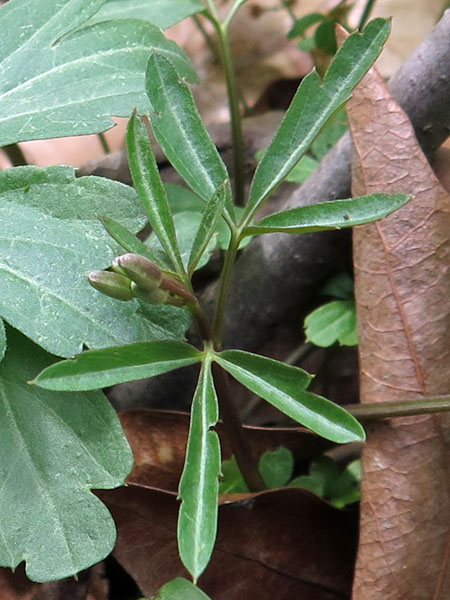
[(104, 142), (228, 410), (287, 6), (366, 13), (233, 10), (233, 102), (404, 408), (213, 14), (205, 34), (224, 286)]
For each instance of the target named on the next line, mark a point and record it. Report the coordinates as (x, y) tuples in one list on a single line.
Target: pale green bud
[(139, 269), (112, 284), (153, 296)]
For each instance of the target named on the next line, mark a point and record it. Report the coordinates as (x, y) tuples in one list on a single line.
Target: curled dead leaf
[(402, 291)]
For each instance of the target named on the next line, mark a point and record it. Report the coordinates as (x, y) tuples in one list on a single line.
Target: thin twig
[(404, 408)]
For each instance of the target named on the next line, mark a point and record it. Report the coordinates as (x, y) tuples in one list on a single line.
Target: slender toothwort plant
[(53, 84)]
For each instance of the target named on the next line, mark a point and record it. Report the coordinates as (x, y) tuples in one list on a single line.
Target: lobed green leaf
[(50, 239), (276, 467), (147, 181), (2, 340), (180, 131), (284, 386), (54, 449), (332, 322), (96, 369), (52, 69), (199, 484), (162, 13), (336, 214), (313, 105)]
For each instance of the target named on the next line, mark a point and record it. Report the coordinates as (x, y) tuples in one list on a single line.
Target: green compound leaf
[(148, 184), (199, 484), (2, 340), (50, 239), (313, 105), (96, 369), (55, 83), (332, 322), (284, 387), (54, 448), (162, 13), (180, 589), (336, 214), (180, 131)]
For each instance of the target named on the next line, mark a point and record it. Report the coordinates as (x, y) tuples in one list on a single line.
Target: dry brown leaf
[(158, 439), (89, 585), (16, 585), (278, 544), (403, 290)]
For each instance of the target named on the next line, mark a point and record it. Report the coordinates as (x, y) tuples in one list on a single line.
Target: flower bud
[(139, 269), (115, 267), (153, 296), (112, 284)]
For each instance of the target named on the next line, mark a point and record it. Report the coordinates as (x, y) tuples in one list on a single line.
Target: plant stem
[(203, 324), (228, 410), (233, 10), (213, 14), (205, 34), (233, 102), (366, 13), (288, 7), (15, 155), (104, 142), (300, 353), (224, 285), (404, 408), (235, 433)]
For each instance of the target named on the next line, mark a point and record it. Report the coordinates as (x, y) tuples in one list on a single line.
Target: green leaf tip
[(199, 483), (314, 103), (181, 133), (284, 386), (335, 214), (96, 369), (147, 181)]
